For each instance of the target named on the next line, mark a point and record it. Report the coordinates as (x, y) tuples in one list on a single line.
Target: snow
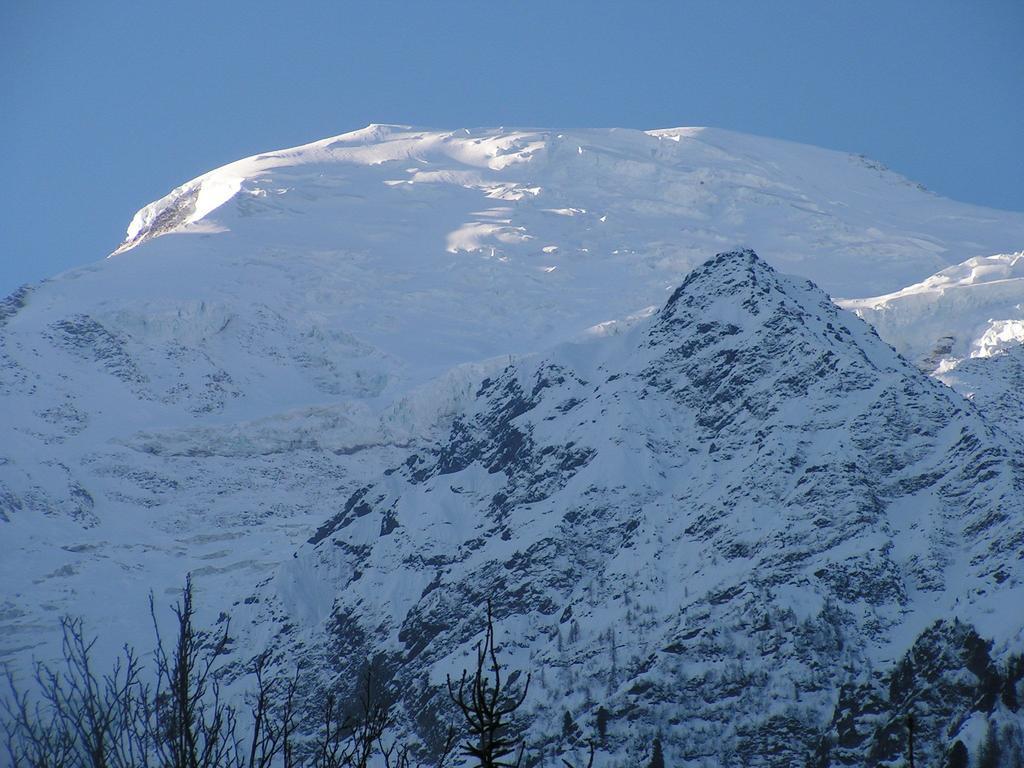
[(971, 309), (677, 194), (746, 465), (276, 333)]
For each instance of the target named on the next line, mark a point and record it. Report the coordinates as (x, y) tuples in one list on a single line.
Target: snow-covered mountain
[(964, 325), (435, 356), (973, 309), (583, 202), (708, 525)]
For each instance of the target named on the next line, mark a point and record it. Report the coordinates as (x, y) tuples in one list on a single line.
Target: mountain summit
[(528, 199), (356, 386), (710, 526)]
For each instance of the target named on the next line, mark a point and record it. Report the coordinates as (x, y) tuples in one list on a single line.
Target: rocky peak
[(741, 275), (730, 507)]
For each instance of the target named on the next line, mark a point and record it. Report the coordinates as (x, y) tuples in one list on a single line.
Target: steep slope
[(275, 335), (712, 525), (287, 317), (995, 384), (973, 309), (964, 325)]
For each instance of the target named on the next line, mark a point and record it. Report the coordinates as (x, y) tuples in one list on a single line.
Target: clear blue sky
[(105, 106)]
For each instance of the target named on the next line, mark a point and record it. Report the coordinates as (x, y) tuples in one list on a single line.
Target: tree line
[(176, 715)]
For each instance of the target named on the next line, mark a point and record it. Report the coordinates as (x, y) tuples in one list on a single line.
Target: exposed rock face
[(995, 384), (716, 526), (945, 680)]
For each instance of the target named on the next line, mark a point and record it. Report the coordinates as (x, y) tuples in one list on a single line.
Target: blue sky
[(105, 106)]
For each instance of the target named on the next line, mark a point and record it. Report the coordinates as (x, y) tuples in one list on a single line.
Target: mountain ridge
[(526, 501), (521, 167), (210, 400)]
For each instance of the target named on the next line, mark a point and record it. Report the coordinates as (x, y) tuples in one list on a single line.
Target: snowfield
[(973, 309)]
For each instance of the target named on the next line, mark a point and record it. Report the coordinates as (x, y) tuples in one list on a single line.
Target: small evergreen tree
[(957, 757), (657, 758), (602, 724), (989, 754), (570, 731), (910, 740), (1012, 741)]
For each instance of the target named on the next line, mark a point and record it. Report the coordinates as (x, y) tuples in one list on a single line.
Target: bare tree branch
[(487, 704)]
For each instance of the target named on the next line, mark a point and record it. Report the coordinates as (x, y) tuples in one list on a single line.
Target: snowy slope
[(273, 336), (964, 325), (972, 309), (530, 200), (708, 525)]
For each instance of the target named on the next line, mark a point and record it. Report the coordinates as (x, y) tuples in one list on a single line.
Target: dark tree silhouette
[(350, 739), (193, 727), (657, 758), (570, 731), (602, 724), (910, 741), (76, 718), (989, 756), (398, 755), (487, 704), (957, 757), (272, 735), (590, 759)]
